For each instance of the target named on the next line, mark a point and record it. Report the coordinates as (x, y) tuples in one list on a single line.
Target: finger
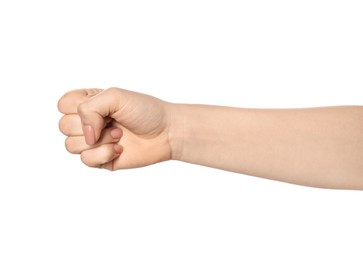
[(71, 125), (77, 144), (101, 155), (94, 111), (69, 102)]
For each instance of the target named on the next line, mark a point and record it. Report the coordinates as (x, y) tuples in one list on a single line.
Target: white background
[(236, 53)]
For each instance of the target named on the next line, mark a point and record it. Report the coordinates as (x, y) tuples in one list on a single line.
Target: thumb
[(94, 112)]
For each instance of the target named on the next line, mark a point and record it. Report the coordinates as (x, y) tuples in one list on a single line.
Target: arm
[(320, 147), (120, 129)]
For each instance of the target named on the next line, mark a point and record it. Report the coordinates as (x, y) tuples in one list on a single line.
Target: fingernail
[(117, 148), (116, 133), (89, 134)]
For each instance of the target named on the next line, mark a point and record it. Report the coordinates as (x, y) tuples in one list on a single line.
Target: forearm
[(321, 147)]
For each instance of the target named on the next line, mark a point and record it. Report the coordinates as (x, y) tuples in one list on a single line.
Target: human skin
[(119, 129)]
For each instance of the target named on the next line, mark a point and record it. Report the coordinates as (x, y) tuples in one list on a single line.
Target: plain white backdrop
[(235, 53)]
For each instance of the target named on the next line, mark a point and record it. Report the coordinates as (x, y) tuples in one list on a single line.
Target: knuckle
[(63, 102), (70, 146), (66, 102), (113, 92), (85, 159), (63, 125), (60, 105), (108, 156), (101, 156)]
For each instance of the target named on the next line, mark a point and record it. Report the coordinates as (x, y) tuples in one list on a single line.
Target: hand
[(100, 114)]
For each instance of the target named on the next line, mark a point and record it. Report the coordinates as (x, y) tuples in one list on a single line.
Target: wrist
[(176, 130)]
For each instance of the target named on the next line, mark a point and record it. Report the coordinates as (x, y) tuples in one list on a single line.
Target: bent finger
[(101, 155), (69, 102), (71, 125), (77, 144)]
